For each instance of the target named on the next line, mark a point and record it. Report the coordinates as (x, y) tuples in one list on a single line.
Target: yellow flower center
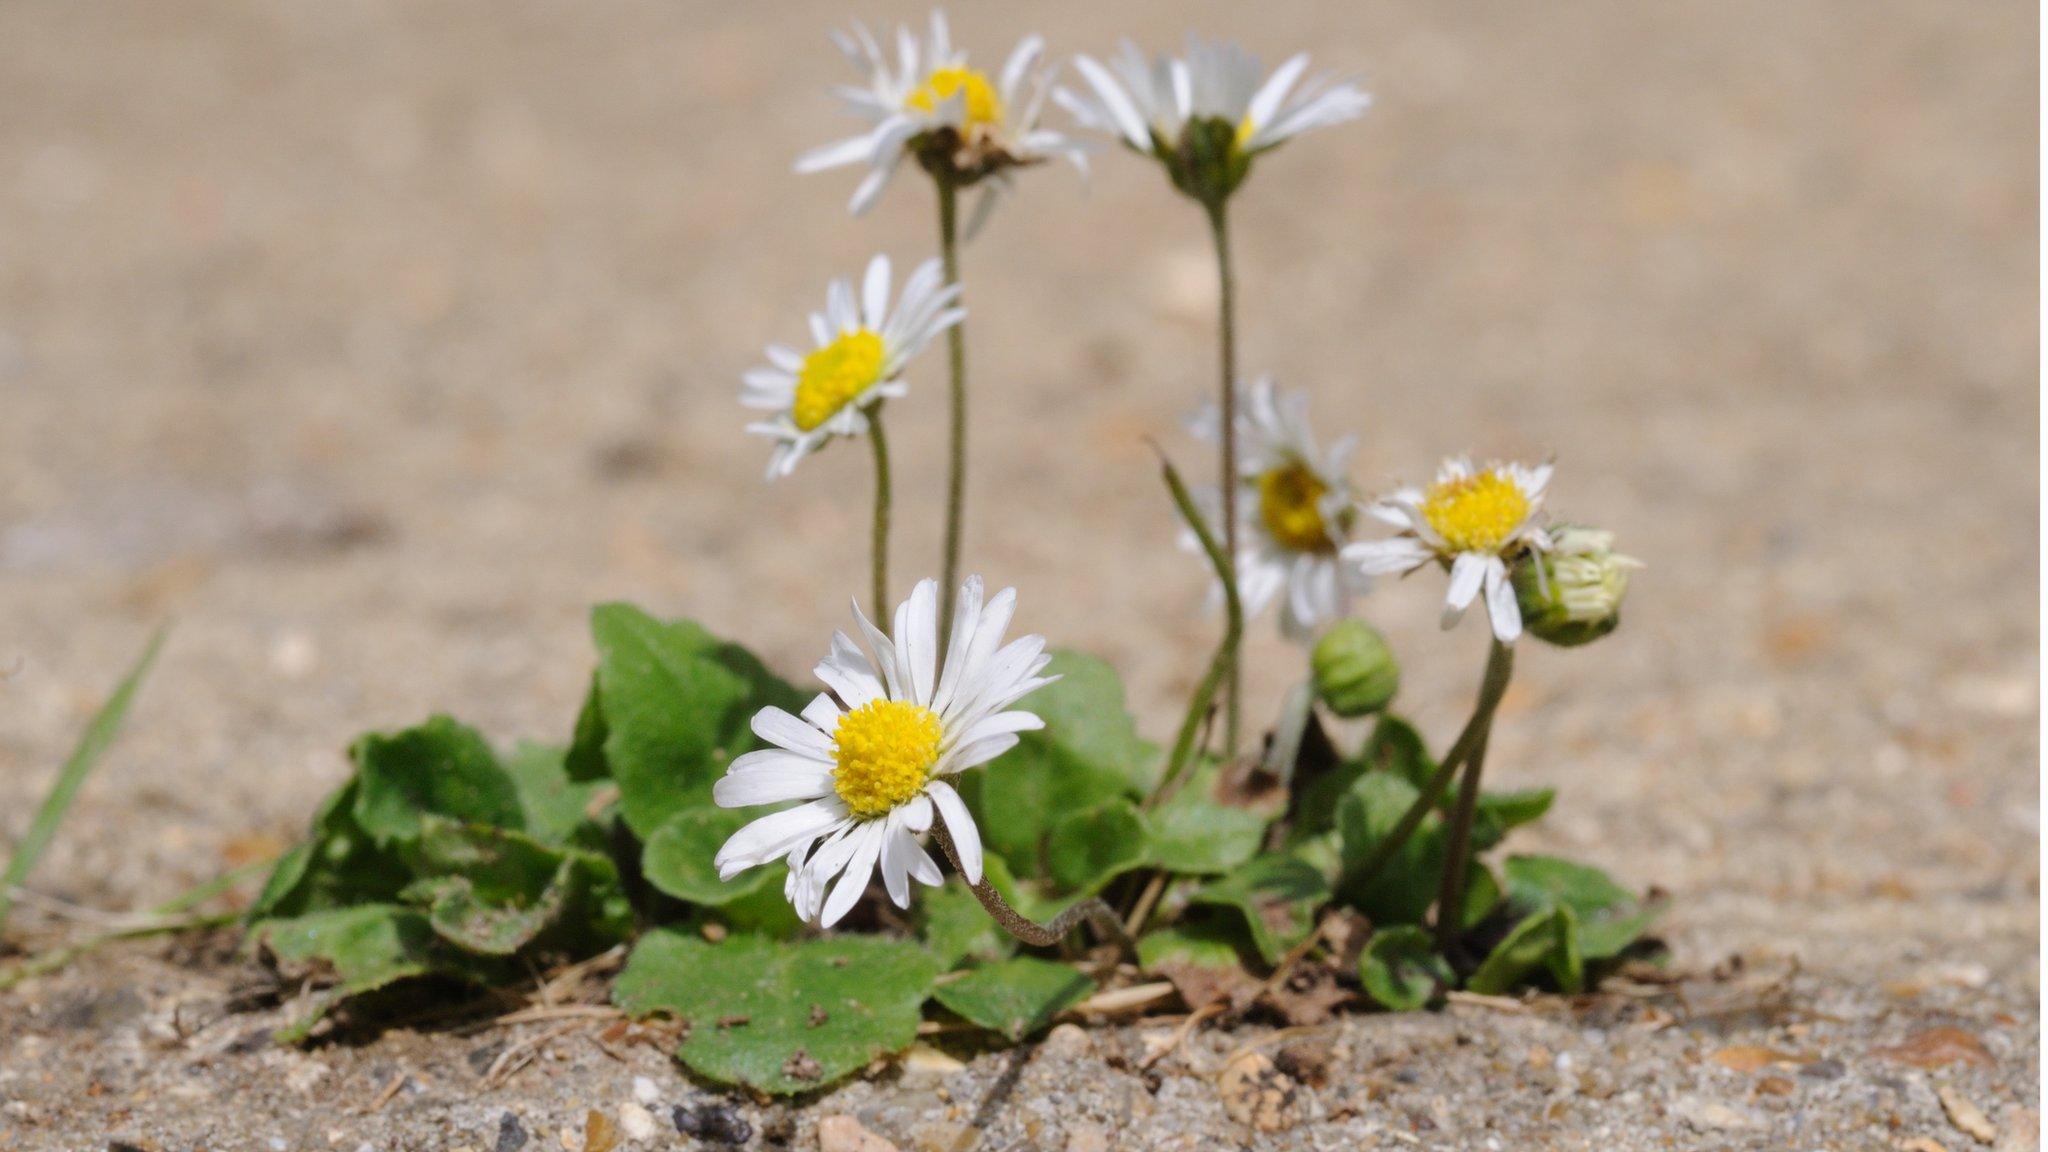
[(1245, 128), (1290, 505), (835, 374), (1476, 513), (943, 84), (885, 750)]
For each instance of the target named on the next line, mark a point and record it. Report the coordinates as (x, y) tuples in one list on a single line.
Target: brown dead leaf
[(600, 1134), (243, 850), (1937, 1048), (1307, 997), (1967, 1117), (1201, 986), (1257, 1094), (1752, 1057)]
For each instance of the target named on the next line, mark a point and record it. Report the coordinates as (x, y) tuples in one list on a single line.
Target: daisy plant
[(965, 128), (861, 346), (758, 844), (1206, 117)]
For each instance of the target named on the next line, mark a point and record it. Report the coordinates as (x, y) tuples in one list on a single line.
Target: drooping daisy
[(871, 758), (1206, 116), (1295, 508), (861, 350), (929, 103), (1476, 521)]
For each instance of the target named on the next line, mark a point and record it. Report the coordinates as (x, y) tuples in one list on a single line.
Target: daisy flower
[(1205, 116), (928, 102), (862, 347), (1295, 507), (871, 758), (1475, 522)]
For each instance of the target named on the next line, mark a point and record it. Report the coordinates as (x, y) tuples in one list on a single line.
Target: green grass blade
[(98, 736)]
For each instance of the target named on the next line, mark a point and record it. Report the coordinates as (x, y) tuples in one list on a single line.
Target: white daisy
[(930, 103), (1153, 104), (1474, 521), (1295, 506), (870, 759), (861, 350)]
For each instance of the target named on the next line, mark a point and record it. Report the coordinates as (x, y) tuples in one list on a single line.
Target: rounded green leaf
[(678, 858), (440, 768), (780, 1016), (1401, 970), (1015, 997)]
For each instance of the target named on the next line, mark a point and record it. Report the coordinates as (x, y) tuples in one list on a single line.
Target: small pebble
[(637, 1123), (511, 1134), (846, 1134), (717, 1123), (644, 1091)]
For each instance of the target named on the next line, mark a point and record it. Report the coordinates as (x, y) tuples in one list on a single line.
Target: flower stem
[(956, 356), (1450, 901), (1499, 665), (1233, 628), (879, 545), (1093, 910), (1219, 231)]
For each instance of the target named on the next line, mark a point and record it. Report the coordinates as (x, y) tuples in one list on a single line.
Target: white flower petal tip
[(1475, 521), (860, 349), (871, 762)]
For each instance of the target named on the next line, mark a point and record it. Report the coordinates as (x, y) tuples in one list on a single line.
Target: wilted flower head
[(1572, 594), (1295, 509), (1475, 521), (931, 104), (870, 760), (861, 350), (1206, 116)]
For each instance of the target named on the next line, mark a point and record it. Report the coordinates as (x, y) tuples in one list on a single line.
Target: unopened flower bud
[(1355, 671), (1571, 594)]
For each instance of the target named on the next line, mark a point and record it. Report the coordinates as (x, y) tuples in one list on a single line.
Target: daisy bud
[(1572, 594), (1355, 671)]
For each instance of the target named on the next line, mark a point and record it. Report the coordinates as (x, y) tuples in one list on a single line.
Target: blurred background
[(371, 343)]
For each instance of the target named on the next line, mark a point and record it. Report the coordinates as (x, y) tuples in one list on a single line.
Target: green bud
[(1355, 671), (1571, 595), (1206, 162)]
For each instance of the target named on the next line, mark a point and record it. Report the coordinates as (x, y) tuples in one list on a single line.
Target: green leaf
[(441, 768), (1393, 747), (1277, 896), (1196, 944), (99, 735), (1088, 753), (337, 866), (1089, 849), (1406, 885), (812, 1011), (366, 947), (1401, 970), (585, 761), (1194, 834), (1482, 894), (495, 891), (955, 927), (679, 854), (552, 804), (1524, 951), (1501, 812), (1609, 917), (675, 704), (1015, 997)]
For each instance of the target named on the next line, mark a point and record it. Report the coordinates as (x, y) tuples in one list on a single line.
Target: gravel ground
[(372, 342)]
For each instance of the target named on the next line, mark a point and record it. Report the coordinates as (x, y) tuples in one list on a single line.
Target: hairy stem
[(879, 545), (1499, 665), (1219, 230), (1221, 663), (1450, 900), (956, 357), (1092, 910)]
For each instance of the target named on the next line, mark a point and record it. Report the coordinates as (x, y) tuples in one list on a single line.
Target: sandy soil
[(372, 342)]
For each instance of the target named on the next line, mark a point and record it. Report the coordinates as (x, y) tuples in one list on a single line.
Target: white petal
[(1387, 557), (785, 731), (775, 834), (847, 672), (1501, 607), (793, 779), (966, 837), (821, 713), (839, 153), (1116, 102), (882, 652), (859, 871), (896, 861), (917, 639), (874, 294), (966, 618), (974, 753), (1274, 92), (1468, 571)]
